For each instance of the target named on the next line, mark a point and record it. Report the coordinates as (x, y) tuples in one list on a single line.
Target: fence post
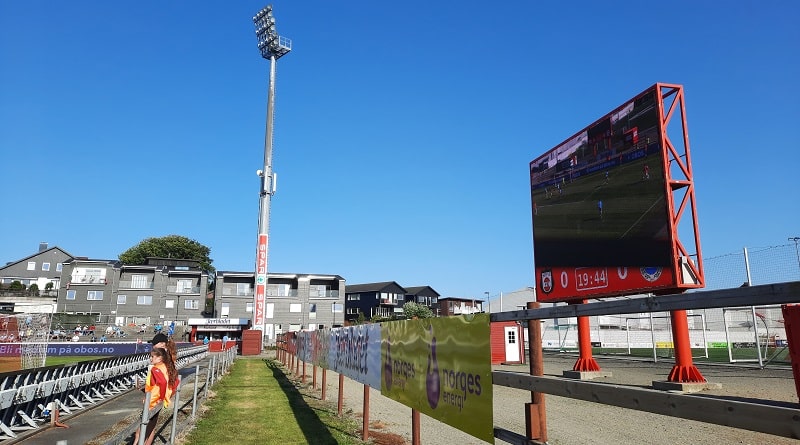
[(175, 410), (145, 419), (208, 381), (194, 397), (341, 395), (324, 382), (415, 427), (365, 427), (535, 413)]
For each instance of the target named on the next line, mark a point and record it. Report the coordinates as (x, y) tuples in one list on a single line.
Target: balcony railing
[(128, 284), (234, 290), (87, 279), (276, 294), (325, 294), (183, 290)]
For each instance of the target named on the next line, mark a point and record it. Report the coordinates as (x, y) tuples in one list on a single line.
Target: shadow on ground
[(302, 408)]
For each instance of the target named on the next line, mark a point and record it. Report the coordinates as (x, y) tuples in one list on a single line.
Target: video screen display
[(599, 199)]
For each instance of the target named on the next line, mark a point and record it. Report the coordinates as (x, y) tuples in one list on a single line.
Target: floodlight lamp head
[(260, 173)]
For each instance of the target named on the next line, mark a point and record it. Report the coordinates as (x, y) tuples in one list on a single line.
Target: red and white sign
[(261, 282), (578, 283)]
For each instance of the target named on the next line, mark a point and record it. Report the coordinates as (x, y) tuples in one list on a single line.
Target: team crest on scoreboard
[(650, 274), (546, 284)]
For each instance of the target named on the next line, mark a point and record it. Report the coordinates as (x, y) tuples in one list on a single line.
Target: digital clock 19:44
[(591, 278)]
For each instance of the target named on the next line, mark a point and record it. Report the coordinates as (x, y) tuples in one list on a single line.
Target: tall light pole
[(272, 47)]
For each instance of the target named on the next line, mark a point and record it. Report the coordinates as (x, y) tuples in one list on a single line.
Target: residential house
[(374, 300), (41, 268), (458, 306), (159, 292), (424, 295)]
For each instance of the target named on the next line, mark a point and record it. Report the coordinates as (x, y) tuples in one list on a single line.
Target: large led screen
[(600, 204)]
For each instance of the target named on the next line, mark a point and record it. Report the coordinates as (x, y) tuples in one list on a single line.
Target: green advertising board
[(442, 368)]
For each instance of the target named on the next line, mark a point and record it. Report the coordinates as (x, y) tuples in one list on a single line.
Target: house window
[(59, 267), (169, 304), (46, 267), (278, 290), (31, 265), (249, 307), (352, 311), (70, 295), (243, 289), (145, 300), (191, 304), (319, 290), (512, 337), (295, 307), (184, 287), (226, 310), (94, 295), (312, 311), (139, 281), (353, 297), (122, 299)]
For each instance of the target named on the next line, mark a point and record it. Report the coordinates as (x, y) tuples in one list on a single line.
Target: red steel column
[(586, 362), (684, 370)]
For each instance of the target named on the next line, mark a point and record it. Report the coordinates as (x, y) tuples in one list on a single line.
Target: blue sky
[(403, 131)]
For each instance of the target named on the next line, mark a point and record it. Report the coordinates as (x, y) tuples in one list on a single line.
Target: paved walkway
[(87, 424), (94, 423)]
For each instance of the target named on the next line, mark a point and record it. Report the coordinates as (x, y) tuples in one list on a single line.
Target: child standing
[(161, 381)]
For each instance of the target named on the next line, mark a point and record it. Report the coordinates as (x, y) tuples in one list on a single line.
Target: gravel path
[(571, 421)]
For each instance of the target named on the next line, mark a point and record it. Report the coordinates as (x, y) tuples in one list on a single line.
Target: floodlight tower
[(272, 47)]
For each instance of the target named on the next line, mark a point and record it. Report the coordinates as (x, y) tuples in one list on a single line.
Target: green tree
[(49, 286), (360, 318), (170, 246), (16, 285), (415, 310), (34, 289)]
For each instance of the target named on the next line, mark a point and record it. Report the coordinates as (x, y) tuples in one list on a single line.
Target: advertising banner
[(314, 347), (355, 352), (441, 367)]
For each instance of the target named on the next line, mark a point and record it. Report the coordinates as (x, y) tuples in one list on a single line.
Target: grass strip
[(258, 404)]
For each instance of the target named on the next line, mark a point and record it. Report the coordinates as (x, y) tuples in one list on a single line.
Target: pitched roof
[(372, 287), (416, 290), (11, 263)]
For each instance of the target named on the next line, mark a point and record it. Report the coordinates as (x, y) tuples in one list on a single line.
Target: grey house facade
[(159, 292), (294, 301), (41, 268)]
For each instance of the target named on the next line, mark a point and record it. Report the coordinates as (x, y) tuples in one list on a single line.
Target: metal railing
[(25, 395)]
